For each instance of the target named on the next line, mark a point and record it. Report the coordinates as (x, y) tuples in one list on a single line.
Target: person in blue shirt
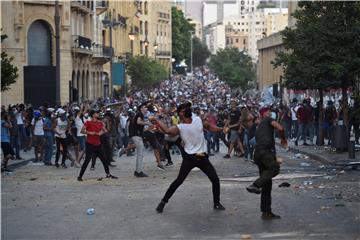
[(8, 151), (49, 136)]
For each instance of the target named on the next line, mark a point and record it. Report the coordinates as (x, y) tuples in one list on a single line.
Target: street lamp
[(155, 48), (146, 44), (110, 23), (132, 38), (191, 52)]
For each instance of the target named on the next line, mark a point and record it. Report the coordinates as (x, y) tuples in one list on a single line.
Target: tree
[(145, 72), (320, 55), (233, 67), (9, 72), (181, 35), (200, 53)]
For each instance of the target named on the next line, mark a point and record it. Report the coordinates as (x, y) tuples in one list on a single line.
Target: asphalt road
[(40, 202)]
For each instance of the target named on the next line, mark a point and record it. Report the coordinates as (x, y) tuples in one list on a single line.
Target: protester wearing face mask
[(62, 126), (265, 159)]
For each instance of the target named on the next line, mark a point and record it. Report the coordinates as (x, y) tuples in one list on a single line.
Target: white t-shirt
[(39, 127), (293, 113), (123, 121), (79, 125), (193, 136), (61, 128), (19, 118)]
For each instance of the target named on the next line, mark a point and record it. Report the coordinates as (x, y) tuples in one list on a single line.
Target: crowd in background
[(46, 130)]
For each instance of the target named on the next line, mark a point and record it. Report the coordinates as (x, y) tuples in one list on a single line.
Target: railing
[(102, 51), (163, 53), (81, 43)]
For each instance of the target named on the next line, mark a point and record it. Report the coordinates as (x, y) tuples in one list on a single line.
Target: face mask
[(86, 115), (273, 115), (15, 111)]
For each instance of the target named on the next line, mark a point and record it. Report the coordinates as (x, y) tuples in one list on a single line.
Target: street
[(41, 202)]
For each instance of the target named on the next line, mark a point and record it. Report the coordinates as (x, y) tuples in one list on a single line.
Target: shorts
[(234, 136), (38, 140), (151, 138), (7, 149), (81, 140)]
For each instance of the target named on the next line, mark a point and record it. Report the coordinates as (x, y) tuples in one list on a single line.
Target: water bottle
[(90, 211)]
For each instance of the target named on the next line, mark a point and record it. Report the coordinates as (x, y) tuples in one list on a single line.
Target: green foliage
[(323, 51), (9, 72), (145, 72), (200, 53), (233, 67), (181, 35)]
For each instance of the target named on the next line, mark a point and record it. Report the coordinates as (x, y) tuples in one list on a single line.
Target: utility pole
[(57, 47), (112, 56), (191, 53)]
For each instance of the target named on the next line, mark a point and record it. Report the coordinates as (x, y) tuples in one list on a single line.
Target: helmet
[(37, 114)]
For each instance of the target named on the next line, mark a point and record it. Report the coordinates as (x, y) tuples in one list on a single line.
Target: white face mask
[(273, 115), (15, 111), (86, 115)]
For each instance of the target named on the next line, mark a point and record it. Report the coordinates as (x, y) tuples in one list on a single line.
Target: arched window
[(39, 44), (146, 28)]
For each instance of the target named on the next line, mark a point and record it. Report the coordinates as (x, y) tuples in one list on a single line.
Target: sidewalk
[(323, 154)]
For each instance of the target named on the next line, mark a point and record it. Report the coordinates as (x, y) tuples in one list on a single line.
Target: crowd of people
[(187, 115), (128, 128)]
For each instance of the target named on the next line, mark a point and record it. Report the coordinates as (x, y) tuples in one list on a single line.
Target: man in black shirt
[(233, 124), (136, 129), (265, 158)]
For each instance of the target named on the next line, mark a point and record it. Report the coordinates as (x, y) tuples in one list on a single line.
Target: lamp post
[(155, 48), (110, 23), (146, 44), (57, 47), (191, 52), (132, 38)]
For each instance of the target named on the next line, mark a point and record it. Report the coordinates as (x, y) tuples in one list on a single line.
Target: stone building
[(30, 28)]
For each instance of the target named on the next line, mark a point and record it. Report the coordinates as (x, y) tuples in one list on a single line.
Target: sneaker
[(6, 170), (92, 168), (79, 179), (57, 165), (160, 207), (227, 156), (19, 158), (269, 216), (111, 176), (112, 165), (219, 207), (63, 165), (305, 144), (169, 164), (121, 152), (161, 167), (253, 189), (77, 165), (48, 164), (140, 174)]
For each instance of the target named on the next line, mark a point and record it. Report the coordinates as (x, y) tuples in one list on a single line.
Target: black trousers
[(63, 143), (96, 151), (217, 137), (268, 168), (169, 145), (189, 162), (106, 150)]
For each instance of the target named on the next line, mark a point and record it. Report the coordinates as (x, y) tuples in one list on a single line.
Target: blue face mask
[(273, 115)]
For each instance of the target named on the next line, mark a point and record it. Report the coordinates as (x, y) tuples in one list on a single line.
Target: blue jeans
[(209, 139), (15, 143), (49, 142), (22, 135)]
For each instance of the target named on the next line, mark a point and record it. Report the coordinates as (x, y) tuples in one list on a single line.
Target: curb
[(314, 156)]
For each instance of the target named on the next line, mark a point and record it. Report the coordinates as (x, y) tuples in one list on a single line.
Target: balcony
[(101, 7), (81, 45), (85, 7), (163, 54), (163, 17), (102, 54)]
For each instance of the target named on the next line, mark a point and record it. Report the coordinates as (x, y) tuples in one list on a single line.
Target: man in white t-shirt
[(37, 124), (191, 131)]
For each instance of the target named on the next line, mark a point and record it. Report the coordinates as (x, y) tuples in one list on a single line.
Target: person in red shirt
[(94, 129)]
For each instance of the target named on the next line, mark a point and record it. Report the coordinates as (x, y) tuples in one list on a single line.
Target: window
[(257, 23), (237, 40), (238, 23), (146, 8), (141, 27), (146, 28), (244, 41)]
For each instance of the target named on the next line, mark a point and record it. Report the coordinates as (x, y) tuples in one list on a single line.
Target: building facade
[(30, 28), (268, 47)]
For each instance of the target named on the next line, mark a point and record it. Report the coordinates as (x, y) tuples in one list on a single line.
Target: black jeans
[(217, 137), (63, 143), (168, 147), (265, 159), (189, 162), (96, 151)]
